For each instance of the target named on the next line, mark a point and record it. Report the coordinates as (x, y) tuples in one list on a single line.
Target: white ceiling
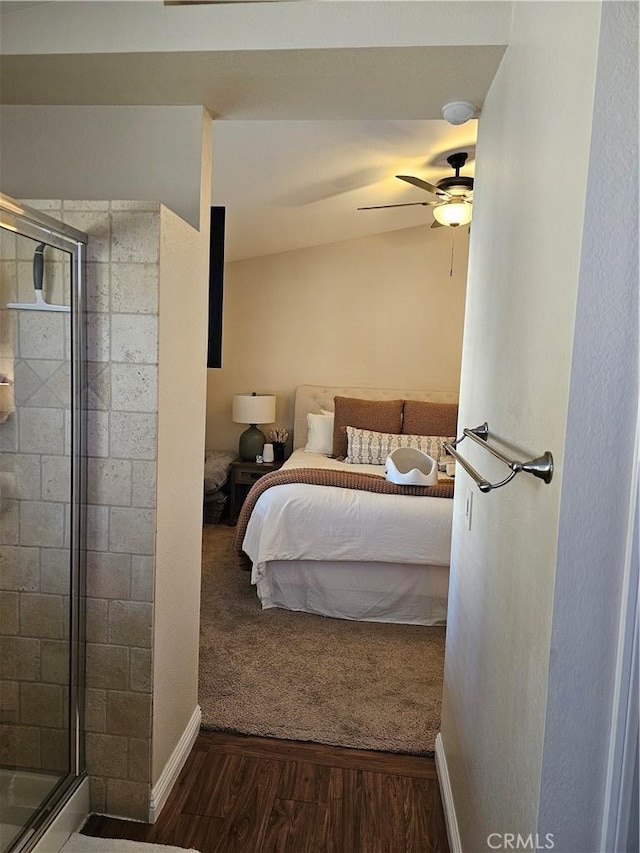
[(318, 105), (291, 184)]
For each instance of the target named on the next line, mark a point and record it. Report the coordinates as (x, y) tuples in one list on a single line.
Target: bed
[(348, 553)]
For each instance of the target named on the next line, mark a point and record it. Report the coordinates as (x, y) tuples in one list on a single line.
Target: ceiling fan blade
[(424, 185), (408, 204), (437, 224)]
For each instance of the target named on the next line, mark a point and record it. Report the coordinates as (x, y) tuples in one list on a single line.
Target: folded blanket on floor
[(330, 477)]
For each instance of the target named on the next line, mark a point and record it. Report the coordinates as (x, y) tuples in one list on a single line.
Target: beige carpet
[(303, 677)]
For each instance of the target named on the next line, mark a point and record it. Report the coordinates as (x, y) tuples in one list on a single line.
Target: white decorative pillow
[(320, 433), (365, 447)]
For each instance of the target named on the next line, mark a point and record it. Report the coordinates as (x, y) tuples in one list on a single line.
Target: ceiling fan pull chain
[(453, 237)]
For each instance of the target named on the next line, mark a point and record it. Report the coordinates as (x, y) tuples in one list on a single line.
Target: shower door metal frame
[(38, 226)]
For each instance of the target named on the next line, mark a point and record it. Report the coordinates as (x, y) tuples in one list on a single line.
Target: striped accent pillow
[(365, 447)]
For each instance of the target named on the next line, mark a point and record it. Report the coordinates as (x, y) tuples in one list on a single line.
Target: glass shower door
[(39, 532)]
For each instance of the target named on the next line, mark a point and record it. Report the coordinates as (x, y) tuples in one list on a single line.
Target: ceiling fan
[(454, 195)]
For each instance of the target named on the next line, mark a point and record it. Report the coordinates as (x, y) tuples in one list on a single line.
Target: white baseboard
[(447, 797), (174, 765)]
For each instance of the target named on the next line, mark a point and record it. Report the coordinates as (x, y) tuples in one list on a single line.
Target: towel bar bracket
[(541, 466)]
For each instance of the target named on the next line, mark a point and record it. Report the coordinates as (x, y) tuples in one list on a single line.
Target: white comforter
[(302, 522)]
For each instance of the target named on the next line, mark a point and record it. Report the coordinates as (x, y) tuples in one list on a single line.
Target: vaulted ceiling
[(317, 106)]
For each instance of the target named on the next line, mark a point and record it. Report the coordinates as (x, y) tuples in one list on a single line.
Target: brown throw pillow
[(378, 415), (429, 418)]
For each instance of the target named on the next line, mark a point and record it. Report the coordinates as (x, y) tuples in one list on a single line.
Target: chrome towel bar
[(541, 467)]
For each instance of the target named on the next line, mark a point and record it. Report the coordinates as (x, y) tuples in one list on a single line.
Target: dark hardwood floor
[(241, 793)]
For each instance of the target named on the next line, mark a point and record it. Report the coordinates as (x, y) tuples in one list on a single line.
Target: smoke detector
[(457, 112)]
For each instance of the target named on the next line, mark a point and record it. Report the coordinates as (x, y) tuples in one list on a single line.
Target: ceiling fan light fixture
[(453, 213)]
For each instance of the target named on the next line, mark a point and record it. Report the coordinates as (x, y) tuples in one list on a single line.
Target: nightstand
[(242, 476)]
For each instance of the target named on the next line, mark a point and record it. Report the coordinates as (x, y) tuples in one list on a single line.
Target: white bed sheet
[(300, 522)]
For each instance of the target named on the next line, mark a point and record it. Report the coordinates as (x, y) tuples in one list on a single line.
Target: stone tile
[(98, 337), (41, 705), (98, 795), (98, 287), (46, 205), (107, 667), (9, 613), (10, 523), (55, 570), (41, 616), (98, 386), (19, 746), (56, 478), (132, 531), (42, 523), (95, 708), (134, 288), (130, 623), (41, 334), (136, 237), (128, 799), (9, 701), (55, 750), (25, 482), (119, 204), (55, 656), (98, 432), (71, 204), (8, 249), (134, 387), (133, 435), (134, 338), (143, 492), (9, 435), (108, 575), (129, 714), (42, 431), (59, 384), (26, 382), (107, 754), (97, 528), (141, 670), (20, 658), (142, 578), (20, 568), (109, 482), (97, 620), (67, 433), (139, 760), (97, 224)]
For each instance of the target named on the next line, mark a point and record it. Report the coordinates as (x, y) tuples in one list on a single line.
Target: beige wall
[(103, 152), (379, 311), (182, 356), (533, 155)]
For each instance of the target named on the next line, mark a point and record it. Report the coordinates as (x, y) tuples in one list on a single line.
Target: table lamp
[(253, 409)]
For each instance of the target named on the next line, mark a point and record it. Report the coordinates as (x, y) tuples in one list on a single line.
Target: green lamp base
[(251, 443)]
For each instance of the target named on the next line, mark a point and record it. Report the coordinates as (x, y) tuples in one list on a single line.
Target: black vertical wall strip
[(216, 282)]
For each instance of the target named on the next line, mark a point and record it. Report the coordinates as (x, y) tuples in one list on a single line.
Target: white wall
[(378, 311), (143, 153), (182, 358), (533, 156), (599, 476)]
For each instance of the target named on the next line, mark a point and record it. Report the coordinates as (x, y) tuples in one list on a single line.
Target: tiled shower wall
[(34, 515), (122, 330)]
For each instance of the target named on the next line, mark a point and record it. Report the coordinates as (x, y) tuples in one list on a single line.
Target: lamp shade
[(456, 212), (254, 409)]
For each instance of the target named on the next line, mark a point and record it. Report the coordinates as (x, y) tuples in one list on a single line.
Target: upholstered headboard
[(313, 398)]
